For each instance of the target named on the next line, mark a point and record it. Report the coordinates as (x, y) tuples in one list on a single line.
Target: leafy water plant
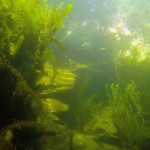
[(26, 30), (127, 115)]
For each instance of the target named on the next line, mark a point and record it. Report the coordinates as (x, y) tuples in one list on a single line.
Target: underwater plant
[(127, 115), (26, 30)]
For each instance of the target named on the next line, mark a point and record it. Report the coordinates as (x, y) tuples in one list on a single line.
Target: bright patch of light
[(137, 41), (112, 29), (69, 33), (84, 23)]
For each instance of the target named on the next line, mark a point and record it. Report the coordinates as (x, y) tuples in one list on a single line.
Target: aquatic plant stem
[(116, 69)]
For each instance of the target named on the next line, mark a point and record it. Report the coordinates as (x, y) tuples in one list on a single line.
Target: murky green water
[(74, 75)]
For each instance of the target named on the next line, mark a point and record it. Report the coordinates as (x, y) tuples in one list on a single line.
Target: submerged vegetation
[(75, 105), (127, 115), (28, 73)]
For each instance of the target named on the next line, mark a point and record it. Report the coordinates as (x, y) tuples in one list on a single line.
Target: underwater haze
[(74, 75)]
